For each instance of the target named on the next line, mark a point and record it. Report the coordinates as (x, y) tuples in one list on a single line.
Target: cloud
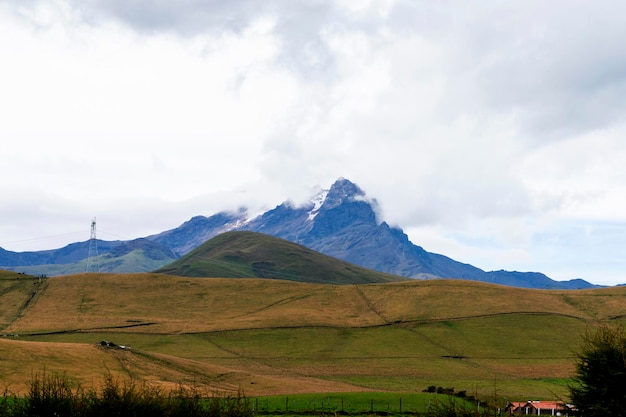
[(483, 123), (556, 66)]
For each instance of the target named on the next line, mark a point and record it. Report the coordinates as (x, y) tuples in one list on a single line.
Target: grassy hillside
[(133, 261), (249, 254), (132, 256), (272, 337), (17, 291)]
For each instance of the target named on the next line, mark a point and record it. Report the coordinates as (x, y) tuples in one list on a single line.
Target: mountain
[(243, 254), (114, 257), (340, 222), (198, 230), (71, 253)]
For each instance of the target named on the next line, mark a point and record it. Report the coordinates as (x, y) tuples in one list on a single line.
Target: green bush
[(10, 405), (598, 386)]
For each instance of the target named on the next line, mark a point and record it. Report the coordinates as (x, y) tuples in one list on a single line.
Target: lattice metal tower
[(93, 264)]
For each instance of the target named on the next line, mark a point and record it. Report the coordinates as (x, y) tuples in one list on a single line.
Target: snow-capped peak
[(317, 201)]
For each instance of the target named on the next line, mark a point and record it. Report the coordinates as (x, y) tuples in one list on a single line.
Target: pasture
[(270, 337)]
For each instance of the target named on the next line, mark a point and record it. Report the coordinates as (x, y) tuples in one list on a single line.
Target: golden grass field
[(276, 337)]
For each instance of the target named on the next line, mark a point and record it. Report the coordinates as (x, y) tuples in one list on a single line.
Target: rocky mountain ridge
[(340, 222)]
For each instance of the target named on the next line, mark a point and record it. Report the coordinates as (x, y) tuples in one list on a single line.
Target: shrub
[(10, 405), (52, 395), (127, 399)]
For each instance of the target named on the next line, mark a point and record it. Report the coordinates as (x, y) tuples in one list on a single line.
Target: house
[(540, 408)]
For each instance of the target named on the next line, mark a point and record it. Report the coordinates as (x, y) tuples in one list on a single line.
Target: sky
[(491, 132)]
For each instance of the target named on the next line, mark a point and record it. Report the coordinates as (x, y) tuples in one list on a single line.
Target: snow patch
[(236, 224), (317, 201), (243, 218)]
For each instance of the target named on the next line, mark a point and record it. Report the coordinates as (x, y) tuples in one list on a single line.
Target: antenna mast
[(92, 255)]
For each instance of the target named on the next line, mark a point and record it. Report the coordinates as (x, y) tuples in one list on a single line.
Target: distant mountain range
[(339, 222)]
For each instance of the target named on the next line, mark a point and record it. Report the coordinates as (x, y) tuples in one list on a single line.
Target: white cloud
[(490, 131), (583, 175)]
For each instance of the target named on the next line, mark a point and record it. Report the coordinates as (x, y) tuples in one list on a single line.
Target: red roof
[(538, 405)]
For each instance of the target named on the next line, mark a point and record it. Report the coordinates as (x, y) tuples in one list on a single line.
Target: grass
[(278, 337), (16, 293), (83, 363), (248, 254), (361, 403), (136, 260), (51, 393)]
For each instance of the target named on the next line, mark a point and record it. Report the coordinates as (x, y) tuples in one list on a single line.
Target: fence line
[(334, 405)]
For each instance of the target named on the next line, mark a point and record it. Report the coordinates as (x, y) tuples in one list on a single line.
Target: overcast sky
[(491, 132)]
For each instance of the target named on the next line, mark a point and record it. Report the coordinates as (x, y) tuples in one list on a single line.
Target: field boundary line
[(369, 304), (386, 324), (65, 331)]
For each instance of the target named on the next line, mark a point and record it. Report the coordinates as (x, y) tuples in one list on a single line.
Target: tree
[(599, 387)]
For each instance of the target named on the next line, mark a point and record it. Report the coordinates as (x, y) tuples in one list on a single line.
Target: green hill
[(250, 254)]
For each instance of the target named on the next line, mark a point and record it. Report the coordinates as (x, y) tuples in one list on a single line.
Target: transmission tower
[(92, 255)]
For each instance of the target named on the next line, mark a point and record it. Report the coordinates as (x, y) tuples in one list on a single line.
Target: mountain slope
[(198, 230), (71, 253), (342, 223), (123, 257), (249, 254)]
